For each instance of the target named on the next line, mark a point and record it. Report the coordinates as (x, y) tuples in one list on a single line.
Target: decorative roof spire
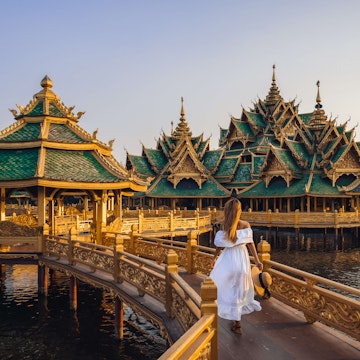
[(182, 127), (318, 98), (318, 118), (182, 112), (274, 94)]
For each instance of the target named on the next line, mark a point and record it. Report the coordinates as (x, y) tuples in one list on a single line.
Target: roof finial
[(274, 94), (318, 98), (46, 82), (273, 76), (182, 112)]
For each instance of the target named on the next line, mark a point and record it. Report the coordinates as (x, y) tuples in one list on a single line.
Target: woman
[(232, 270)]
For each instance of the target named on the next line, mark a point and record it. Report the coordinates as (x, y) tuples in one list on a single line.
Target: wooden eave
[(54, 145), (74, 185)]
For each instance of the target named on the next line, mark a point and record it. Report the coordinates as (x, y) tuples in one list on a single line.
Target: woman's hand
[(259, 265)]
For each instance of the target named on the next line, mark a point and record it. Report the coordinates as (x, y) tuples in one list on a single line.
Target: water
[(35, 327)]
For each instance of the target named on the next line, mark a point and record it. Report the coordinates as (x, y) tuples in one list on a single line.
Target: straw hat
[(262, 282)]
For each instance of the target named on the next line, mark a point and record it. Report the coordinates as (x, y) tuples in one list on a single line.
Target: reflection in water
[(36, 327)]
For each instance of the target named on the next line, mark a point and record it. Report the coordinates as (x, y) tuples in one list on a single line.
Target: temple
[(45, 156), (272, 157)]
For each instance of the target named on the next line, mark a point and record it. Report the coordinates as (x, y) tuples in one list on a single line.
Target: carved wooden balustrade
[(297, 219), (320, 299), (196, 314)]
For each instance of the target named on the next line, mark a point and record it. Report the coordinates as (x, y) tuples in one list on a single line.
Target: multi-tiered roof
[(181, 166), (47, 147)]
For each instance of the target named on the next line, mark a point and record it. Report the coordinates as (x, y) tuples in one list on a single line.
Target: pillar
[(41, 206), (2, 204), (43, 280), (208, 293), (73, 293), (119, 318)]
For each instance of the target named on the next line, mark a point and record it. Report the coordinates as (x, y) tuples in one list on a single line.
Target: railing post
[(208, 294), (134, 234), (171, 267), (263, 248), (45, 234), (72, 235), (197, 219), (190, 250), (171, 221), (141, 220), (118, 246)]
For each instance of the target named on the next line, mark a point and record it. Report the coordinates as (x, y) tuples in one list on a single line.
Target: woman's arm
[(252, 248)]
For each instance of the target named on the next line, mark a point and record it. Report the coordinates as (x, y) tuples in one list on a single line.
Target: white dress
[(232, 276)]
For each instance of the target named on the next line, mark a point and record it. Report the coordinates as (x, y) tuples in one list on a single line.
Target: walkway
[(279, 332)]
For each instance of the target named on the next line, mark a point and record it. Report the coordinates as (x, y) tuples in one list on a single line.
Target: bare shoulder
[(243, 224)]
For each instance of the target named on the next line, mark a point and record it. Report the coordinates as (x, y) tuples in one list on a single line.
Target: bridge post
[(43, 279), (133, 236), (73, 293), (119, 318), (118, 246), (191, 243), (263, 248), (45, 233), (208, 293), (171, 267), (72, 236)]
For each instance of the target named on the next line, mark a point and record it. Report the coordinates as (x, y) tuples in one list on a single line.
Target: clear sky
[(128, 63)]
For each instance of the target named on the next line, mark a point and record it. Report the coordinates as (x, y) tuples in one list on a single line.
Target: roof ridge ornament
[(274, 94), (318, 98)]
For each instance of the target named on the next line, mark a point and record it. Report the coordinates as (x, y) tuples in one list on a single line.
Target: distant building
[(46, 155), (272, 158)]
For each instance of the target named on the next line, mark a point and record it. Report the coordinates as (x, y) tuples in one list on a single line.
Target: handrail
[(318, 298), (161, 282)]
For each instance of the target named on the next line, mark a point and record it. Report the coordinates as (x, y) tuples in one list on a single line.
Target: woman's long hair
[(232, 212)]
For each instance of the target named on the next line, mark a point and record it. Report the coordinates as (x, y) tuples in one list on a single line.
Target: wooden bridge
[(166, 281)]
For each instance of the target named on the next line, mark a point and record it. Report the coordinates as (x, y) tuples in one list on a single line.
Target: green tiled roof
[(37, 110), (322, 186), (305, 117), (244, 127), (278, 188), (330, 145), (339, 153), (157, 158), (141, 165), (243, 173), (256, 118), (202, 147), (300, 150), (18, 164), (75, 166), (227, 166), (28, 132), (287, 159), (187, 188), (61, 133), (211, 158), (340, 129), (258, 163), (54, 111)]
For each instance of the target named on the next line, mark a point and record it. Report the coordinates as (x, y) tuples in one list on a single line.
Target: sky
[(127, 63)]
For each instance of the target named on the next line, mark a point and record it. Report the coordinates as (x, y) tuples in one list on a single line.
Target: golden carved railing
[(196, 314), (320, 299), (297, 219)]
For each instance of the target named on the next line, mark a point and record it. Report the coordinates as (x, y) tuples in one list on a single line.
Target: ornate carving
[(183, 313)]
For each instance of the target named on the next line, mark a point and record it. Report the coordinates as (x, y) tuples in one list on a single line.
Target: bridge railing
[(320, 299), (196, 314), (297, 219)]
